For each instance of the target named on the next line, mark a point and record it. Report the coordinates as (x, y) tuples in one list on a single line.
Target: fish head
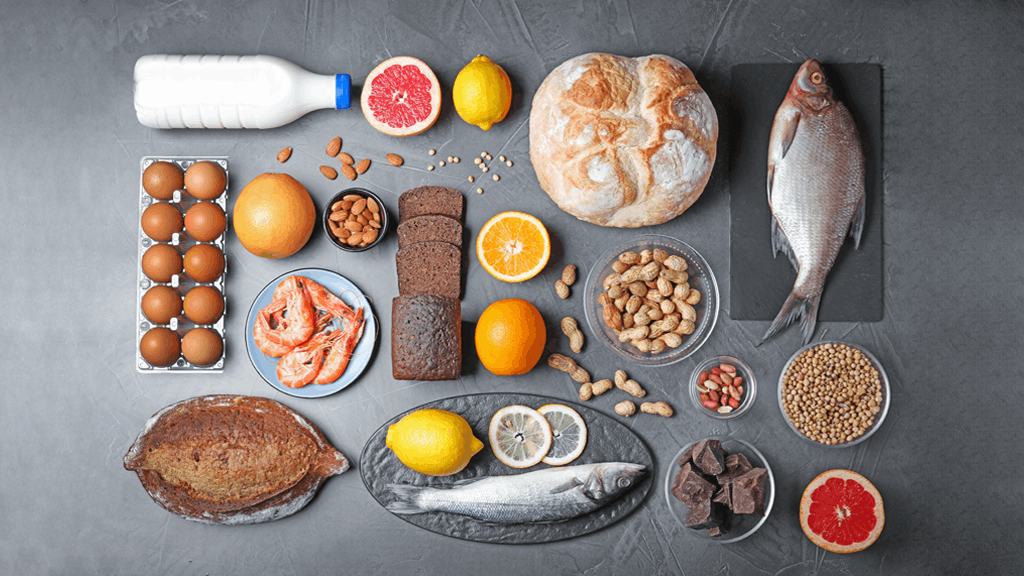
[(608, 481), (810, 86)]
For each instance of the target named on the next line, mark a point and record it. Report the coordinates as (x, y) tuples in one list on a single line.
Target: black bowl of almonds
[(653, 301), (355, 220), (834, 394)]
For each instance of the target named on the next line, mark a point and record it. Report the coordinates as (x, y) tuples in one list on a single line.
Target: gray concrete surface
[(946, 460)]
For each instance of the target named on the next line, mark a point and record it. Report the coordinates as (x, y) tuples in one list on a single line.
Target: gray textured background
[(946, 460)]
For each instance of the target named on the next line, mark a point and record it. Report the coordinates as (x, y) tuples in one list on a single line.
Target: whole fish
[(815, 189), (548, 495)]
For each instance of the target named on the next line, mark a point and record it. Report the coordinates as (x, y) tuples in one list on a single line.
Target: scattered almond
[(363, 165), (284, 154), (334, 146), (348, 171), (329, 172), (346, 158), (395, 159)]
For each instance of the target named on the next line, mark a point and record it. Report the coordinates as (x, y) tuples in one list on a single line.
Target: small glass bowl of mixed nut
[(653, 301), (834, 394), (723, 387)]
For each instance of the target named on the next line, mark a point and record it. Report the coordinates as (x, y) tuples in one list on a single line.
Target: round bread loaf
[(622, 142), (227, 459)]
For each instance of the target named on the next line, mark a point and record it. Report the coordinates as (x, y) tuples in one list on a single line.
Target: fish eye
[(624, 482), (817, 78)]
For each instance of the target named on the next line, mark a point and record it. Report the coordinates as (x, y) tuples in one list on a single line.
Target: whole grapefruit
[(841, 511), (274, 216)]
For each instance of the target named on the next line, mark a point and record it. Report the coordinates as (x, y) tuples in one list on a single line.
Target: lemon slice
[(520, 437), (569, 434)]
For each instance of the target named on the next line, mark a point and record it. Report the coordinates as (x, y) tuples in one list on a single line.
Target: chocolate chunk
[(691, 488), (686, 457), (723, 528), (735, 465), (709, 456), (724, 496), (748, 492), (707, 515)]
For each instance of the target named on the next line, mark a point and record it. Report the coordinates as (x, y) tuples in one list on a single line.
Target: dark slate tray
[(607, 441), (760, 284)]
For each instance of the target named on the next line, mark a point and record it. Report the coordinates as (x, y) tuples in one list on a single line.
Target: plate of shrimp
[(310, 333)]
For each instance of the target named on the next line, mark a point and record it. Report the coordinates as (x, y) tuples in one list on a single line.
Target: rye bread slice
[(429, 269), (430, 200), (430, 228), (426, 338), (227, 459)]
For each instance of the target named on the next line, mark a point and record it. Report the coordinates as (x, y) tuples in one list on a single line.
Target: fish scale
[(815, 190)]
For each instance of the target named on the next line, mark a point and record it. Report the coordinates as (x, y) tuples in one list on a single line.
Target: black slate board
[(760, 284), (608, 441)]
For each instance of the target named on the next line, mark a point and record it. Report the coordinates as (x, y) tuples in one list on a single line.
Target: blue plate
[(351, 295)]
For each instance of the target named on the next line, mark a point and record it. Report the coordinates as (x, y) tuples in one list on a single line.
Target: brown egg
[(160, 346), (161, 220), (160, 304), (204, 263), (205, 180), (201, 346), (161, 262), (161, 179), (205, 221), (204, 304)]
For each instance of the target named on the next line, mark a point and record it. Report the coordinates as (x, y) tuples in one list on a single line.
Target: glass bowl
[(883, 408), (700, 278), (749, 387), (326, 216), (743, 525)]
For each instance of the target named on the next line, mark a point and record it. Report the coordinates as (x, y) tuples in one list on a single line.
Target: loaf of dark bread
[(430, 228), (430, 200), (228, 459), (429, 268), (426, 338)]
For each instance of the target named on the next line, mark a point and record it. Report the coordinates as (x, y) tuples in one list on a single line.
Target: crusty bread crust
[(228, 459), (622, 142)]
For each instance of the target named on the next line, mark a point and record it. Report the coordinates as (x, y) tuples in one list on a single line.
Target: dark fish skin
[(815, 190)]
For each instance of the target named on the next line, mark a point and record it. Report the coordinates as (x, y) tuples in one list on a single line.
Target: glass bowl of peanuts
[(723, 387), (653, 301), (834, 394), (355, 220)]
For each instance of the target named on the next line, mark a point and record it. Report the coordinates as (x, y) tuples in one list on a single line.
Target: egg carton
[(181, 283)]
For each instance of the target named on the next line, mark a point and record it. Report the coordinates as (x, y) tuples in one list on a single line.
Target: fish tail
[(795, 307), (408, 499)]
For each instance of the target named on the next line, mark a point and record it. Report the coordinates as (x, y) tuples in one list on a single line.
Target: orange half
[(513, 246)]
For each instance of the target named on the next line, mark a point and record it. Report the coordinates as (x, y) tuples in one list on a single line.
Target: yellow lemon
[(482, 93), (433, 442)]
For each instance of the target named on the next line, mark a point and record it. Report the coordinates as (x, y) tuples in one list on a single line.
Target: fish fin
[(795, 307), (407, 502), (857, 226), (783, 132), (567, 486), (781, 244)]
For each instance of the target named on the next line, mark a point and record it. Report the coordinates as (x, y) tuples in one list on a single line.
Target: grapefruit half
[(841, 511), (401, 96)]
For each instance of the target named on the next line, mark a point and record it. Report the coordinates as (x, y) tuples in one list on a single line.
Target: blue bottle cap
[(342, 91)]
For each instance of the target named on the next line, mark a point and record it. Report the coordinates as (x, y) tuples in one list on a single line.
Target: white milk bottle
[(231, 91)]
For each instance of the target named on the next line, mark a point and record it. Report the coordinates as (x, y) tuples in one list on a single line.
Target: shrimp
[(343, 342), (300, 366), (300, 322), (324, 301)]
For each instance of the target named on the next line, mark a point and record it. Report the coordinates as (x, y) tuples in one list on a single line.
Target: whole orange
[(274, 216), (510, 337)]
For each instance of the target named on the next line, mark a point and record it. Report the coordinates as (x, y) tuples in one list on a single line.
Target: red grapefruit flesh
[(401, 96), (841, 511)]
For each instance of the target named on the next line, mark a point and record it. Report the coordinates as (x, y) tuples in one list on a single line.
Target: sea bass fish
[(548, 495), (815, 190)]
